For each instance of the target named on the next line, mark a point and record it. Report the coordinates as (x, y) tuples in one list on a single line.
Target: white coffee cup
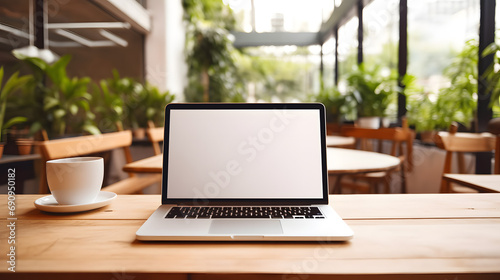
[(75, 180)]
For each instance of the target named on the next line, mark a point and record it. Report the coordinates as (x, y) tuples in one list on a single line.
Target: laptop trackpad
[(245, 227)]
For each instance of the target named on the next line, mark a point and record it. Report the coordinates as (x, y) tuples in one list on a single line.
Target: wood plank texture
[(349, 207), (396, 236), (382, 246), (70, 147)]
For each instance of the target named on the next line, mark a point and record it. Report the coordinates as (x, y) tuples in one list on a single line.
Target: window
[(347, 49), (381, 34), (437, 32), (280, 15), (329, 63), (281, 74)]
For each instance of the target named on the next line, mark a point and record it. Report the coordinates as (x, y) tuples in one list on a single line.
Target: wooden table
[(349, 161), (340, 141), (342, 162), (339, 161), (480, 182), (399, 236), (152, 164)]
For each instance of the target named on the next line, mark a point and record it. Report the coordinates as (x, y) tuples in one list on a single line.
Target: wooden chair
[(397, 136), (155, 136), (460, 143), (336, 128), (332, 128), (85, 145)]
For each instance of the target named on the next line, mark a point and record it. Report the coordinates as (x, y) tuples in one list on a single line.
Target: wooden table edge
[(451, 179)]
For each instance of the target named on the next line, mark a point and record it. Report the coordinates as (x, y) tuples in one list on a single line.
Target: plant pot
[(385, 122), (427, 136), (24, 146), (369, 122), (139, 133), (1, 149)]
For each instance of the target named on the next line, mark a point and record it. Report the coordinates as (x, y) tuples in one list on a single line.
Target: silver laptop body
[(245, 172)]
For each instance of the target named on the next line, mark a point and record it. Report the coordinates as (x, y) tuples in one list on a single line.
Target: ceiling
[(90, 45)]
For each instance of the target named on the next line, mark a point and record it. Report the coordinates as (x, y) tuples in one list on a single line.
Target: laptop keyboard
[(244, 212)]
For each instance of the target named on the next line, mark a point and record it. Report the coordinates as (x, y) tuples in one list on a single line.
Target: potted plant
[(13, 84), (212, 75), (454, 103), (422, 111), (60, 106), (133, 96), (68, 101), (24, 145), (372, 93), (423, 116), (155, 103), (334, 102), (458, 101), (108, 107)]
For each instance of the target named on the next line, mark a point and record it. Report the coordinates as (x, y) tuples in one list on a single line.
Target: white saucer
[(49, 203)]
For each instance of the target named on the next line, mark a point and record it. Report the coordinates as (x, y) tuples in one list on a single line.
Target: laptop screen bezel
[(245, 106)]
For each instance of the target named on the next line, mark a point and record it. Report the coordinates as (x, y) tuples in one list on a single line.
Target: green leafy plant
[(492, 75), (108, 107), (269, 77), (133, 96), (371, 91), (335, 103), (422, 111), (454, 103), (155, 103), (66, 98), (129, 103), (59, 104), (13, 84), (212, 75), (458, 101)]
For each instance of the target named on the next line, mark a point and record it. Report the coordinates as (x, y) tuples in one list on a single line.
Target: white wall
[(165, 65)]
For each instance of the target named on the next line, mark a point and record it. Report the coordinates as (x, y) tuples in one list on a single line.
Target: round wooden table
[(348, 161), (340, 141)]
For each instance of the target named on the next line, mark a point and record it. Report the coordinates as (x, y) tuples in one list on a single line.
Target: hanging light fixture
[(31, 50)]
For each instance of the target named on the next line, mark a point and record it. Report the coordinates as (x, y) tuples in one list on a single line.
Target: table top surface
[(347, 161), (340, 141), (339, 161), (449, 235), (483, 182)]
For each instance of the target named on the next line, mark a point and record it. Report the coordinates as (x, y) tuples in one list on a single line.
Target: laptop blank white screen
[(244, 154)]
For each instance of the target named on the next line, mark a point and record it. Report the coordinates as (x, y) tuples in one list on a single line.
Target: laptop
[(245, 172)]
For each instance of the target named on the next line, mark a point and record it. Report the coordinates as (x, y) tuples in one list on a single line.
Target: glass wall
[(347, 50), (328, 50), (280, 74), (381, 34), (437, 33), (381, 40), (280, 15)]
